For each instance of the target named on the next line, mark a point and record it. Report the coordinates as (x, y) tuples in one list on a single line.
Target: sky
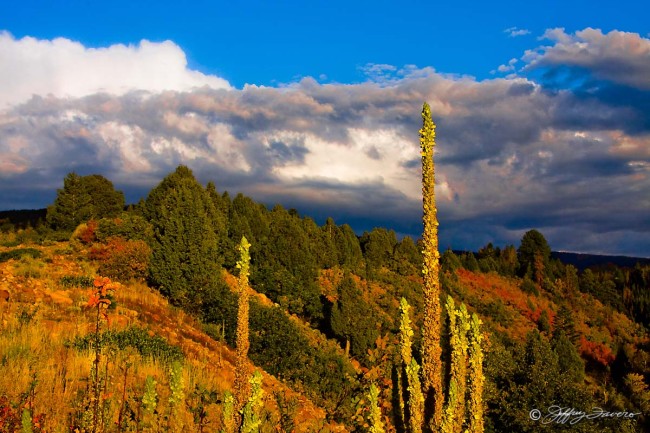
[(542, 110)]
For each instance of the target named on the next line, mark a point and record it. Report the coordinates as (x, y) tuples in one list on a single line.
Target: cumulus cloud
[(617, 56), (511, 154), (65, 68)]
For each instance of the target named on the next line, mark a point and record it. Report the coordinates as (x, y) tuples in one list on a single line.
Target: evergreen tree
[(407, 258), (83, 198), (288, 278), (534, 254), (378, 246), (105, 201), (185, 264), (227, 247), (352, 319), (348, 248), (570, 363), (72, 205)]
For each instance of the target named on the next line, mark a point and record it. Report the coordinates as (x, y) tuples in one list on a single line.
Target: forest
[(198, 310)]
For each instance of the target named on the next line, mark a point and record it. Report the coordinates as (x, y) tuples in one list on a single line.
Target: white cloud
[(621, 57), (65, 68), (510, 155), (513, 32)]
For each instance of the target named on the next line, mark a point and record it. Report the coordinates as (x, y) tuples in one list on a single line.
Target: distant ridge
[(24, 217), (584, 261)]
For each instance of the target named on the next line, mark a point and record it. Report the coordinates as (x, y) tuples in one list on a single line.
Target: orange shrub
[(598, 352), (122, 260), (88, 234)]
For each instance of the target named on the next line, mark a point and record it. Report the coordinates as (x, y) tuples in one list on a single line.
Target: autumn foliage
[(122, 260)]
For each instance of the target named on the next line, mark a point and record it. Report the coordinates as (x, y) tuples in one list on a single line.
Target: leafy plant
[(19, 253), (149, 346)]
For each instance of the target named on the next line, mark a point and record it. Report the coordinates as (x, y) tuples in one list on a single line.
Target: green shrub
[(82, 281), (19, 253), (147, 345), (527, 286), (128, 226)]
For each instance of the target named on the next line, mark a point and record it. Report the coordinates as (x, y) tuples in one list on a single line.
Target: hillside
[(326, 321), (46, 371)]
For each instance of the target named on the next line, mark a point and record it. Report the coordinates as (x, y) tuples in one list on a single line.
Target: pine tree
[(185, 264), (72, 205), (352, 319), (431, 349), (83, 198)]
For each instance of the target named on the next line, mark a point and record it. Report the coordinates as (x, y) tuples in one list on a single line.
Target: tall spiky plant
[(242, 385), (454, 414), (376, 424), (251, 417), (431, 349), (476, 377), (414, 417), (228, 413)]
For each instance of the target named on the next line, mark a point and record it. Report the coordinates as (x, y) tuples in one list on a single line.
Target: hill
[(46, 347), (584, 261)]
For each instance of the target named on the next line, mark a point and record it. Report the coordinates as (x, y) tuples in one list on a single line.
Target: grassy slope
[(42, 316)]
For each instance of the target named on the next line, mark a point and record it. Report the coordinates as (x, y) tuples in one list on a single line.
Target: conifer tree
[(185, 264), (242, 386), (431, 349), (83, 198), (72, 205)]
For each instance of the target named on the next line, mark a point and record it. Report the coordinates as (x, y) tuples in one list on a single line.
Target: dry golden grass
[(43, 317)]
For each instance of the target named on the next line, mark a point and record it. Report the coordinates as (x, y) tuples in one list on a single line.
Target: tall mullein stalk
[(476, 378), (251, 416), (431, 327), (242, 386), (228, 413), (459, 325), (375, 422), (177, 395), (415, 399), (149, 404)]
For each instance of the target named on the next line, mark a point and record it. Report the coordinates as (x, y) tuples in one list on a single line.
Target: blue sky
[(542, 109), (269, 42)]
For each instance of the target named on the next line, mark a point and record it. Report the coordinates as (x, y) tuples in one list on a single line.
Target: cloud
[(509, 67), (617, 56), (511, 153), (65, 68), (513, 32)]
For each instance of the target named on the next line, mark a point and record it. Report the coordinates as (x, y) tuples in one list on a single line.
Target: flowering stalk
[(431, 349)]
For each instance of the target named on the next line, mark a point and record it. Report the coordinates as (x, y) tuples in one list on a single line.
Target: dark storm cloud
[(512, 154)]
